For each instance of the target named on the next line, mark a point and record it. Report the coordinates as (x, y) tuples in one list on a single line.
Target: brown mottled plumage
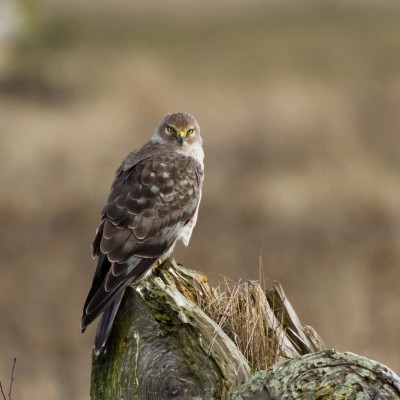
[(153, 202)]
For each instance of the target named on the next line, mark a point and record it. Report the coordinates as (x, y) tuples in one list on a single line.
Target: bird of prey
[(153, 203)]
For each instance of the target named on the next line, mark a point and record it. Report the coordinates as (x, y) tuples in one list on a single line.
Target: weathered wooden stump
[(163, 346), (176, 338)]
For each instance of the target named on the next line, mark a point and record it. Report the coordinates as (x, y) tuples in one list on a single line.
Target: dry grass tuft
[(262, 323), (243, 312)]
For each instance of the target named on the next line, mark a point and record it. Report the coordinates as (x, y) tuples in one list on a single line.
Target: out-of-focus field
[(299, 104)]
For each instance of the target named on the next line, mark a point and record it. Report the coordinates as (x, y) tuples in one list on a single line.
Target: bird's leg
[(158, 263)]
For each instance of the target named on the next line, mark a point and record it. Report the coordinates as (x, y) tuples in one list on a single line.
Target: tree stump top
[(175, 337)]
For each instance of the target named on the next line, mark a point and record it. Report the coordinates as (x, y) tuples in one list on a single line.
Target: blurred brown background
[(299, 107)]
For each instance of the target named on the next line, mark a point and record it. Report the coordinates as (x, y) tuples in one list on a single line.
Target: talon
[(158, 263)]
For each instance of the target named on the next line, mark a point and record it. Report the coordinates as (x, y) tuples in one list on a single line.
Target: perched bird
[(153, 203)]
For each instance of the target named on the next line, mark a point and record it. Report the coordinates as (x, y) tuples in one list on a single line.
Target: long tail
[(108, 288), (105, 325)]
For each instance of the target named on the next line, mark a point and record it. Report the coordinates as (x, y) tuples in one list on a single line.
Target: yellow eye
[(170, 129), (190, 131)]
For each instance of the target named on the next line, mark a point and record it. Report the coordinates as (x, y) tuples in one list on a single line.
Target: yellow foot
[(158, 263)]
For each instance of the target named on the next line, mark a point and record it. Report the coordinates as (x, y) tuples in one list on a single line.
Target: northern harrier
[(153, 202)]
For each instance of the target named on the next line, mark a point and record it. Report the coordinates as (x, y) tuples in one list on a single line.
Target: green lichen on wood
[(324, 375), (108, 368), (163, 346)]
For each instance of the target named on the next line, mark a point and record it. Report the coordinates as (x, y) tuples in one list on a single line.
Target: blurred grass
[(321, 41), (298, 104)]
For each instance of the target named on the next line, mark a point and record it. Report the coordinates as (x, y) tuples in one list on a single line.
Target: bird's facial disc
[(178, 129)]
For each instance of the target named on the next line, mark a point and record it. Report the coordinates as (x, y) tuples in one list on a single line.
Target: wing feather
[(156, 199)]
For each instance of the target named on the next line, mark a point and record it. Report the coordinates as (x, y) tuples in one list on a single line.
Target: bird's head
[(178, 129)]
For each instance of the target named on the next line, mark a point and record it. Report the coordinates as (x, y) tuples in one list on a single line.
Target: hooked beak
[(181, 136)]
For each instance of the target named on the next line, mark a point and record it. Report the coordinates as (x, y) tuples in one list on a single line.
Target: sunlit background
[(298, 102)]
